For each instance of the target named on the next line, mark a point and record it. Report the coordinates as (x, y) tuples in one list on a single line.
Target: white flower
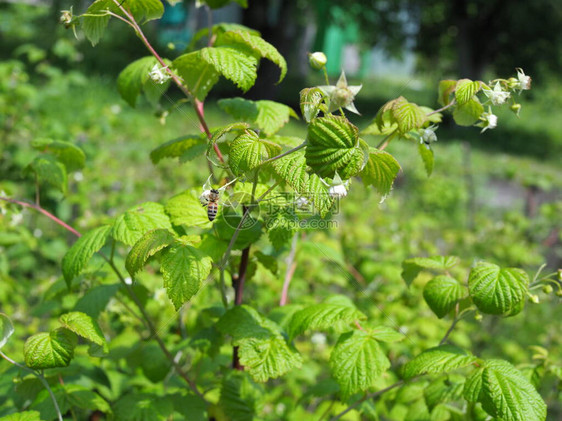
[(428, 135), (317, 60), (498, 96), (338, 188), (302, 203), (524, 80), (318, 339), (158, 75), (488, 121), (128, 280), (341, 95)]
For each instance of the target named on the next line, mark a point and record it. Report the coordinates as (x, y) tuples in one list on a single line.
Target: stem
[(366, 397), (384, 143), (326, 78), (37, 194), (41, 378), (458, 318), (291, 267), (449, 105), (290, 151)]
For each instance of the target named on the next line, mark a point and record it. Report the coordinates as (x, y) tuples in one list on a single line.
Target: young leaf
[(132, 79), (465, 90), (505, 393), (72, 157), (49, 350), (232, 64), (247, 152), (497, 291), (84, 326), (220, 132), (184, 269), (185, 148), (149, 244), (268, 116), (186, 209), (333, 145), (130, 226), (386, 334), (380, 171), (467, 114), (257, 45), (426, 154), (408, 115), (50, 171), (441, 359), (78, 256), (357, 361), (323, 316), (6, 329), (198, 75), (441, 294), (310, 101), (412, 267), (446, 88), (96, 21)]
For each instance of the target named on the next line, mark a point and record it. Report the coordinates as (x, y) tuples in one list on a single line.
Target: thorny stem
[(291, 267), (131, 292), (41, 379), (197, 105)]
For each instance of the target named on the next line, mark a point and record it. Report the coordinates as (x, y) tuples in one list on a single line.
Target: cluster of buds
[(428, 136), (68, 19)]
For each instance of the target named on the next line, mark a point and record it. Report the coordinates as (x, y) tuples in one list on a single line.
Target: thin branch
[(449, 105), (291, 267), (41, 379), (290, 151), (384, 143)]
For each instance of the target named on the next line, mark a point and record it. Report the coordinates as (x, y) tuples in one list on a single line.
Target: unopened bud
[(559, 293), (478, 317), (317, 60), (534, 298), (547, 289), (516, 108)]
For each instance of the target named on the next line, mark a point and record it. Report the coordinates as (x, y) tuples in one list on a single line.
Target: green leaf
[(233, 64), (357, 362), (22, 416), (333, 145), (259, 47), (130, 226), (446, 88), (217, 4), (69, 396), (49, 350), (263, 350), (268, 116), (135, 78), (408, 115), (442, 391), (148, 245), (248, 151), (468, 113), (323, 316), (186, 209), (310, 102), (412, 267), (441, 359), (49, 170), (143, 407), (78, 256), (94, 26), (6, 329), (72, 157), (198, 75), (84, 326), (220, 132), (95, 300), (240, 397), (465, 90), (497, 291), (281, 227), (380, 171), (386, 334), (505, 393), (441, 294), (426, 154), (184, 269)]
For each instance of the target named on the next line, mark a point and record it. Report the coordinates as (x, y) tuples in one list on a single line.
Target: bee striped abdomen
[(212, 209)]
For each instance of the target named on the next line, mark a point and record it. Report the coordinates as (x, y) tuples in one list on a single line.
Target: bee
[(212, 197)]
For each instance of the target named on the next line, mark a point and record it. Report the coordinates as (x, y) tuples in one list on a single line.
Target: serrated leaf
[(412, 267), (49, 350), (268, 116), (441, 294), (71, 156), (50, 171), (468, 113), (78, 256), (386, 334), (408, 116), (505, 393), (220, 132), (143, 407), (6, 329), (198, 75), (442, 391), (131, 80), (310, 102), (465, 90), (356, 362), (186, 209), (248, 151), (426, 154), (184, 268), (446, 88), (380, 171), (68, 397), (323, 316), (441, 359), (22, 416), (333, 145), (232, 64), (257, 45), (148, 245), (281, 228), (240, 397), (185, 148), (84, 326), (94, 25), (473, 385), (497, 291), (130, 226), (95, 300)]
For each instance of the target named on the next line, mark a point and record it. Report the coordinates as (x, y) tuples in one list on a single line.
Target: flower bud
[(534, 298), (478, 317), (559, 293), (516, 108), (547, 289), (317, 60), (67, 18), (524, 80)]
